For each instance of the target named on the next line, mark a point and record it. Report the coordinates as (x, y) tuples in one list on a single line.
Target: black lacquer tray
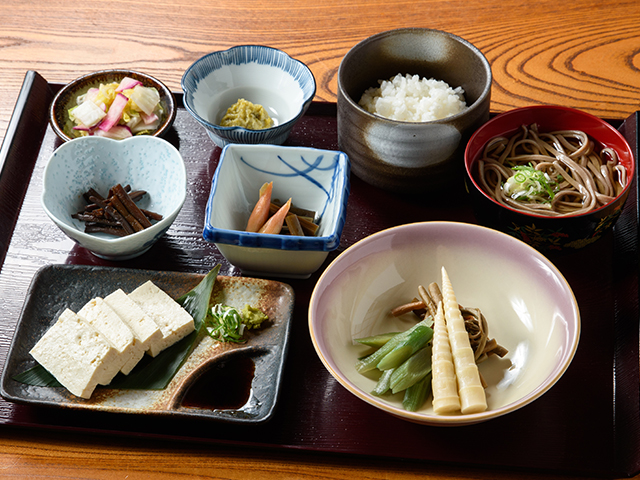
[(587, 424)]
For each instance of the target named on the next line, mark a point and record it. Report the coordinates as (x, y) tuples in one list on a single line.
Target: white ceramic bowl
[(315, 179), (144, 162), (530, 308), (262, 75)]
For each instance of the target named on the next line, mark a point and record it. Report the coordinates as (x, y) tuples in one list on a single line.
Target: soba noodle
[(560, 173)]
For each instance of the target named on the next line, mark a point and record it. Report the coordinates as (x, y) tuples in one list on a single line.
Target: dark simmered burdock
[(117, 213)]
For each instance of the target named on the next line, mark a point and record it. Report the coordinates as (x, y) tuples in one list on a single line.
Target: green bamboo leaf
[(196, 301), (38, 377), (150, 373)]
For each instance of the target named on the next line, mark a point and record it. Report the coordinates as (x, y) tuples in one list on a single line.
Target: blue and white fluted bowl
[(144, 162), (315, 179), (262, 75)]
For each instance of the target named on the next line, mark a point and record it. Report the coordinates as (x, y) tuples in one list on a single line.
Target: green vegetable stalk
[(404, 362), (370, 362), (416, 395), (414, 369), (417, 339)]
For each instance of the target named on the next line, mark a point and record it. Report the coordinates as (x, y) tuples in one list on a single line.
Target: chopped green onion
[(529, 184), (225, 324), (228, 324)]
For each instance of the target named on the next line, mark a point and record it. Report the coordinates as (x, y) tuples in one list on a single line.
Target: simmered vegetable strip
[(306, 218), (308, 226), (430, 305), (117, 214), (412, 370), (260, 212), (293, 223), (416, 395), (472, 395), (434, 292), (415, 304), (417, 339), (377, 340), (309, 215), (384, 383), (370, 362), (275, 222), (444, 384)]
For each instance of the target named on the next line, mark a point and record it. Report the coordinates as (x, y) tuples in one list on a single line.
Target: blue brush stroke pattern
[(337, 190)]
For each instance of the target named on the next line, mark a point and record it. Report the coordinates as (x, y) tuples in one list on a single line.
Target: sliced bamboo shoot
[(472, 395), (443, 384)]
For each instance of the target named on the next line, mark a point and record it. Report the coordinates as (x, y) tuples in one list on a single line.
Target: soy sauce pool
[(226, 386)]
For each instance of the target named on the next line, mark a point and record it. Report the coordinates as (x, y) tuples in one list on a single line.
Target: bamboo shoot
[(472, 395), (444, 385)]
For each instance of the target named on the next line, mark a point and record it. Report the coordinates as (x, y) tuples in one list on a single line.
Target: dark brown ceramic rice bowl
[(401, 156)]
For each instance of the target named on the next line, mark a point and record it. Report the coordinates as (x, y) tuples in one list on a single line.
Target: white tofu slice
[(104, 319), (77, 355), (173, 320), (141, 324)]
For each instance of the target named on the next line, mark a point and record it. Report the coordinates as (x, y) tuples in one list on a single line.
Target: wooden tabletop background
[(583, 54)]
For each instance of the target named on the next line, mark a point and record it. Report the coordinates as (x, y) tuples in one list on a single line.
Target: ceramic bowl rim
[(115, 241), (469, 163), (240, 238), (218, 128), (444, 420), (486, 91), (166, 92)]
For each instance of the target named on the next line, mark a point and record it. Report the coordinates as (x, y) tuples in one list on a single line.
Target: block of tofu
[(106, 321), (141, 324), (77, 355), (173, 320)]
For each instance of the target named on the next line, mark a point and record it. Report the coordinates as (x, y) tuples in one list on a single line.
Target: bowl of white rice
[(408, 102)]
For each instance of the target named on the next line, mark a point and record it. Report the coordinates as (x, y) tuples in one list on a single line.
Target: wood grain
[(582, 54), (65, 456)]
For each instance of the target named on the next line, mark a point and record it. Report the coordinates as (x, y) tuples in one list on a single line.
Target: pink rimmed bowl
[(530, 308)]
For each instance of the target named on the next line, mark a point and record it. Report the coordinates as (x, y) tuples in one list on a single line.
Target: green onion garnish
[(529, 184)]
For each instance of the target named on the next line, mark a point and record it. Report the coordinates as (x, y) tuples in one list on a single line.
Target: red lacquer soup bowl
[(545, 233)]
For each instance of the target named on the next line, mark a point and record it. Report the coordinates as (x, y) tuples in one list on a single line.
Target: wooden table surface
[(583, 54)]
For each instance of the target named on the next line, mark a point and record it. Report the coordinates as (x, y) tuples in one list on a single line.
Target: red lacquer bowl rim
[(550, 117)]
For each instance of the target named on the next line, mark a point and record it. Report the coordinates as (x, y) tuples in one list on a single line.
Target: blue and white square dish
[(315, 179)]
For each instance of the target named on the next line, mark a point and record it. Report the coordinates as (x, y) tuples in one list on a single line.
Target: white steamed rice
[(410, 98)]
